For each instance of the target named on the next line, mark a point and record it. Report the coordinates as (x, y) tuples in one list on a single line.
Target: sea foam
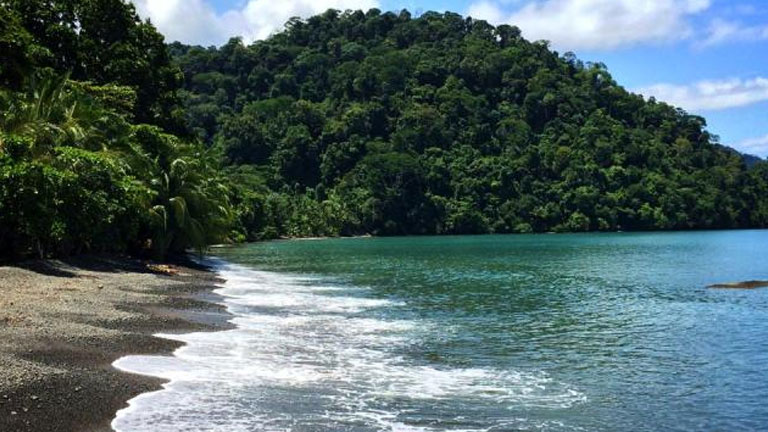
[(310, 355)]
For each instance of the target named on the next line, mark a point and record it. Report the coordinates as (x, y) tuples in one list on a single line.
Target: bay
[(592, 332)]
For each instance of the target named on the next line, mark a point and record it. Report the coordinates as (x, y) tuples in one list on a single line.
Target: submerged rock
[(741, 285)]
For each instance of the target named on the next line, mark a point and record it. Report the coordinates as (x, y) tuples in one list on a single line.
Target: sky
[(709, 57)]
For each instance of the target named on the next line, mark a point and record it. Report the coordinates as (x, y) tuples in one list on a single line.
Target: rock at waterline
[(741, 285)]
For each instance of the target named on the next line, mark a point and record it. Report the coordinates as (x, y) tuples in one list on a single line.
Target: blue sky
[(707, 56)]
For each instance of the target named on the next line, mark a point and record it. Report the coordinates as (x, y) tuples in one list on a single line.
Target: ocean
[(577, 332)]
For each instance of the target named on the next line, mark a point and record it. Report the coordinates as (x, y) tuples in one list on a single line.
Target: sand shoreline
[(63, 324)]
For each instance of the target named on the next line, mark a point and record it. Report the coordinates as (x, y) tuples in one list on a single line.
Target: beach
[(63, 324)]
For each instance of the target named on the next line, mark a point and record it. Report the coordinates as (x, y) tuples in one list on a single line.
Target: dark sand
[(62, 324)]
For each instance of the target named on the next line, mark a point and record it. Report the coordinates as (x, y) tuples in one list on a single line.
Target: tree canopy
[(88, 102), (104, 41), (445, 124)]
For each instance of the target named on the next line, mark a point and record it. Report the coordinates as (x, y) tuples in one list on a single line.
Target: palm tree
[(186, 203), (54, 141), (190, 206), (52, 114)]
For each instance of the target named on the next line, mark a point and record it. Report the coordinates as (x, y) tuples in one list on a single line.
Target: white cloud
[(597, 24), (757, 146), (486, 10), (191, 21), (710, 95), (722, 31), (197, 22)]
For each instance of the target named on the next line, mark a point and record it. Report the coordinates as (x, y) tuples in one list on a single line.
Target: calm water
[(609, 332)]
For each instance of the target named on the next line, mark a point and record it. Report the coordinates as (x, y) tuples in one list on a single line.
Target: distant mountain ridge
[(751, 160)]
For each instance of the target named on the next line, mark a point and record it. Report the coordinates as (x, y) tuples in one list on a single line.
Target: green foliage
[(120, 99), (443, 124), (53, 112), (76, 176), (104, 42), (388, 191), (73, 202), (189, 204), (18, 50)]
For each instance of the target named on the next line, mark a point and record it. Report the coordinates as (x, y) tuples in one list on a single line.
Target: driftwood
[(163, 269)]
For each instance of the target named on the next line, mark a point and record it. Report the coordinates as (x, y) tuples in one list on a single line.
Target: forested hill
[(345, 123), (351, 123)]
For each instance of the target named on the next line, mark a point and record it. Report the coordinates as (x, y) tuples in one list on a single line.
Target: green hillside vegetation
[(343, 124), (352, 123), (87, 161)]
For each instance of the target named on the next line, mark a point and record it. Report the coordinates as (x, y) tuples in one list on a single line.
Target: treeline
[(344, 123), (352, 123), (88, 159)]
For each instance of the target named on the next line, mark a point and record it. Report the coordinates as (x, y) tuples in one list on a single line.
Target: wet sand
[(63, 323)]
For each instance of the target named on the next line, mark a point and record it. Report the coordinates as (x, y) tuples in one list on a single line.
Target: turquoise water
[(598, 332)]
